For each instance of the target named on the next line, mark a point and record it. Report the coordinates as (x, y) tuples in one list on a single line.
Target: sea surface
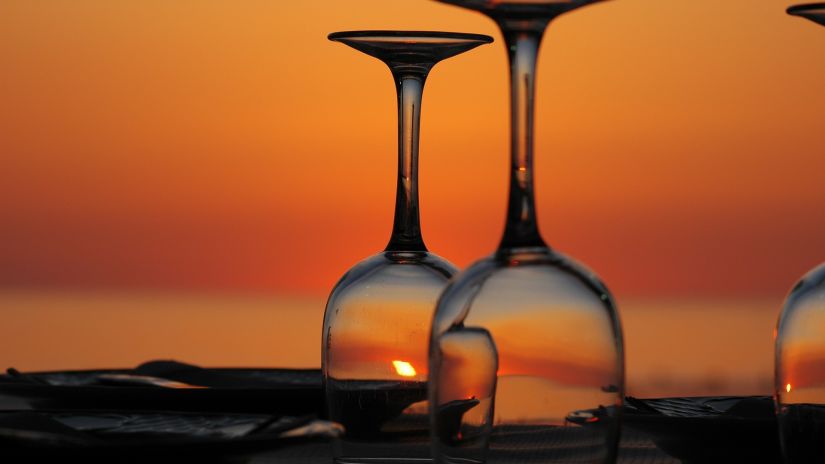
[(674, 347)]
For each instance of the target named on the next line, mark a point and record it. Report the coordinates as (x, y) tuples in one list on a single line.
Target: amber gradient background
[(201, 147)]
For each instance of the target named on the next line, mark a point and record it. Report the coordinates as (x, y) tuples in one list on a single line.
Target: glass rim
[(366, 34), (805, 8)]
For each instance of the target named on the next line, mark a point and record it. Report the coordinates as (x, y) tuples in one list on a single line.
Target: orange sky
[(228, 145)]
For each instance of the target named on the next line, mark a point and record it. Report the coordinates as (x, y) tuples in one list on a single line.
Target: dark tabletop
[(636, 447)]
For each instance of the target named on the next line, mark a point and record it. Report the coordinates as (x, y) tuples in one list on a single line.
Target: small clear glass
[(526, 351), (377, 319), (799, 387)]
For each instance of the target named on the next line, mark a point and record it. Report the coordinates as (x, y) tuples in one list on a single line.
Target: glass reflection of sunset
[(403, 368), (382, 327)]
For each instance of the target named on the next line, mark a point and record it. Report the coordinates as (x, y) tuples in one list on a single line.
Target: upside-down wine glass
[(800, 349), (526, 351), (377, 319)]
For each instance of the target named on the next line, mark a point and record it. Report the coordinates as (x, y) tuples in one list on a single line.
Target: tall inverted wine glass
[(800, 349), (526, 328), (377, 319)]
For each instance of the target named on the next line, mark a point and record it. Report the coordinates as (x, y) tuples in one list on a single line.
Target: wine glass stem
[(406, 231), (522, 229)]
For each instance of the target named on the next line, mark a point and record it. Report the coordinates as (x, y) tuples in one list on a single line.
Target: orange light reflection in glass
[(404, 368), (788, 388)]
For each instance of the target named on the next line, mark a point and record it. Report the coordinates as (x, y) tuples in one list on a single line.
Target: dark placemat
[(708, 430), (149, 436), (169, 385)]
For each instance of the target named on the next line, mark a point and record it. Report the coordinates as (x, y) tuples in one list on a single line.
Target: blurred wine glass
[(799, 387)]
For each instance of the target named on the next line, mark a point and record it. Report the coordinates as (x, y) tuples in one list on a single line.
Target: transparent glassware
[(800, 371), (377, 319), (799, 386), (526, 351)]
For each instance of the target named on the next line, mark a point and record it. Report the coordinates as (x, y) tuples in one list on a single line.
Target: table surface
[(636, 448)]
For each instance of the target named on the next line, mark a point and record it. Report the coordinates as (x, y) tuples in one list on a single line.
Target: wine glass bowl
[(800, 370), (557, 339), (377, 324), (377, 319)]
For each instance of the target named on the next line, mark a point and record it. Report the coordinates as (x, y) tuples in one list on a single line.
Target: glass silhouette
[(799, 384), (813, 11), (377, 319), (526, 351)]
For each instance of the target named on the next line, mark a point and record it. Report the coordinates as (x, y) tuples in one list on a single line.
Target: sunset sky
[(214, 145)]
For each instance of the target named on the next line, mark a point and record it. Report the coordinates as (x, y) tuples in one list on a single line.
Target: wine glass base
[(813, 11), (410, 52), (522, 9)]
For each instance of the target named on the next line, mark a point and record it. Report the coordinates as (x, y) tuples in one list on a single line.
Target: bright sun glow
[(788, 388), (404, 368)]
